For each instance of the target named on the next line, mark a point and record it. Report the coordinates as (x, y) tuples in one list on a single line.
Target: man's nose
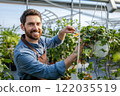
[(36, 27)]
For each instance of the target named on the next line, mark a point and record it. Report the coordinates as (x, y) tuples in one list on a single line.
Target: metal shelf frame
[(71, 5)]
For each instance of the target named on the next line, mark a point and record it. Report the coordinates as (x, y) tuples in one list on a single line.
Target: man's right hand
[(73, 57), (81, 48)]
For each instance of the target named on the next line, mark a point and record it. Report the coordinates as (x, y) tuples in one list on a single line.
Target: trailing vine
[(101, 51)]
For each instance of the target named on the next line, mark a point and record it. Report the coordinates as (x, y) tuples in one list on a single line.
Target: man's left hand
[(68, 29)]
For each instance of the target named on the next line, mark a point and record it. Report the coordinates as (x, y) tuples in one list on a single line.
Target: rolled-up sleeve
[(29, 65), (53, 42)]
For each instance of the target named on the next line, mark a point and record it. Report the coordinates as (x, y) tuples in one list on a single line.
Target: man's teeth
[(35, 32)]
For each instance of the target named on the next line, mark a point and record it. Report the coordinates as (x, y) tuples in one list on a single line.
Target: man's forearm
[(61, 36), (69, 60)]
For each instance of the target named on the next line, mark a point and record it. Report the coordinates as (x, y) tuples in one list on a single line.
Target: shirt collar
[(35, 45)]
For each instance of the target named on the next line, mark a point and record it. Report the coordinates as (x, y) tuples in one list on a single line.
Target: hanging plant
[(65, 49), (99, 42)]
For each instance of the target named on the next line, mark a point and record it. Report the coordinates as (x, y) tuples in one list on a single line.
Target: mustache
[(35, 31)]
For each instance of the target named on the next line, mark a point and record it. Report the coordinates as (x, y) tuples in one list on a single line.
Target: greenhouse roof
[(65, 4), (86, 4)]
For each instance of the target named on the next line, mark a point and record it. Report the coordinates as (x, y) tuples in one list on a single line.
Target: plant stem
[(106, 68), (95, 68), (109, 64)]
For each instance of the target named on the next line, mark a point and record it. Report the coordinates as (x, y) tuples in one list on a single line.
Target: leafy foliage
[(66, 48), (8, 41), (90, 35), (4, 72)]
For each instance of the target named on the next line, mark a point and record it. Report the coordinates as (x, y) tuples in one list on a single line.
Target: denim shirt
[(26, 60)]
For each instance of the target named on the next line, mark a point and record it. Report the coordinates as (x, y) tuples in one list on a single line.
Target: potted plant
[(9, 39), (4, 70), (65, 49), (98, 37)]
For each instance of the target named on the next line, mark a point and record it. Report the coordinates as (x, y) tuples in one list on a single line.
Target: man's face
[(33, 27)]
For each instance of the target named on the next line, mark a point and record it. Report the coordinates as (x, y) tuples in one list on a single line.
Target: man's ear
[(22, 27)]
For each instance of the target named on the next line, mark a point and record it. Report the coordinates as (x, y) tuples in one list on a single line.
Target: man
[(30, 53)]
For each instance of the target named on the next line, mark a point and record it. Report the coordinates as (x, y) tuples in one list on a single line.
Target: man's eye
[(38, 24), (31, 24)]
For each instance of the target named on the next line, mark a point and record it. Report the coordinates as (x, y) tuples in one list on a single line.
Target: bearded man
[(30, 53)]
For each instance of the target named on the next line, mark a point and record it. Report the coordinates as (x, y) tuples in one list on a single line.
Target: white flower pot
[(98, 49)]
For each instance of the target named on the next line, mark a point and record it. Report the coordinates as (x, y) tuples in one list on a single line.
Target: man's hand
[(68, 29), (81, 49), (73, 57)]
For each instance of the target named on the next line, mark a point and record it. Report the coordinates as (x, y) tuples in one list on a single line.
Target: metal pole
[(78, 39), (26, 4), (107, 20), (71, 11)]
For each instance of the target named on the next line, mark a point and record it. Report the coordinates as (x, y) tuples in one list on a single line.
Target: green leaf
[(103, 70), (1, 68), (105, 77), (7, 60), (98, 78), (81, 75), (91, 63), (8, 74), (116, 57), (104, 50)]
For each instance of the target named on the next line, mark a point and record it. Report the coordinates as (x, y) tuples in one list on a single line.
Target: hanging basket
[(99, 50), (96, 39)]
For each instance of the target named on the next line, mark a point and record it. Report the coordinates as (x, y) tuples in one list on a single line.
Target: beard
[(31, 36)]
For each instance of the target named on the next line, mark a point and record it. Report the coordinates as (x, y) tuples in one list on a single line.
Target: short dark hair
[(29, 12)]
